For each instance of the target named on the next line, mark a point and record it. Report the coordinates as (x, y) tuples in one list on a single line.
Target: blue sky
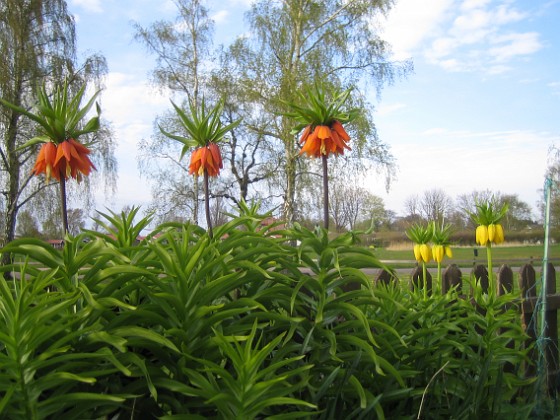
[(480, 111)]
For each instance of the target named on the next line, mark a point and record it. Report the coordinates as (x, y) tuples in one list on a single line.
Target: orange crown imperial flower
[(324, 140), (206, 157), (67, 159)]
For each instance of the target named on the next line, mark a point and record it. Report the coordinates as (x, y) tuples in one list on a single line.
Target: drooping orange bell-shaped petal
[(81, 149), (216, 157), (195, 161), (312, 145), (323, 132), (45, 161), (211, 164), (337, 126), (305, 134)]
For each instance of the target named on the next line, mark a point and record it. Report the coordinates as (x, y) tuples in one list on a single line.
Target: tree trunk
[(290, 198), (12, 193)]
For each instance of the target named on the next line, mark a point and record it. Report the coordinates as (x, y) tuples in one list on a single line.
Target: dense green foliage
[(243, 325)]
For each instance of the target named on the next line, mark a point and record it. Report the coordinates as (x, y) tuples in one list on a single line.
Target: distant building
[(56, 243)]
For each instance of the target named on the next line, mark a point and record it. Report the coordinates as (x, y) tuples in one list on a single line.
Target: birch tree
[(38, 47), (182, 51), (297, 43)]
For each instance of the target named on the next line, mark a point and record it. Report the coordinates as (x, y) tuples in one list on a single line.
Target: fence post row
[(452, 277)]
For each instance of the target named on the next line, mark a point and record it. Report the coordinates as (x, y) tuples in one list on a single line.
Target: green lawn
[(514, 256), (465, 255)]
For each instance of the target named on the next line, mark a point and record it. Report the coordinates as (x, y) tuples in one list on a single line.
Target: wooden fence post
[(384, 277), (452, 277), (505, 280), (528, 289), (505, 286), (480, 274), (417, 279)]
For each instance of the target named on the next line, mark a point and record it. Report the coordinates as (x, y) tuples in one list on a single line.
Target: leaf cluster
[(202, 125), (60, 116), (420, 233), (487, 212), (242, 325), (319, 107)]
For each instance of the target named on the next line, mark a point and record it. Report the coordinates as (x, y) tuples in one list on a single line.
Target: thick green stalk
[(491, 288), (325, 193), (63, 208), (425, 277), (438, 287), (207, 204)]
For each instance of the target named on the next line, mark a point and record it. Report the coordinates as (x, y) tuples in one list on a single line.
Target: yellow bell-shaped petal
[(448, 252), (491, 232), (425, 252), (482, 235), (417, 254), (438, 252), (499, 234)]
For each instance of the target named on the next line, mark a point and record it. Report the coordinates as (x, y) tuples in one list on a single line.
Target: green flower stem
[(63, 207), (207, 204), (437, 288), (325, 193), (425, 277), (491, 288)]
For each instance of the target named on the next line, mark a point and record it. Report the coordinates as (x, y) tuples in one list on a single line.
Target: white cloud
[(554, 87), (220, 16), (461, 35), (410, 22), (460, 162), (515, 44), (498, 69), (473, 4), (93, 6), (242, 3), (128, 100), (385, 109), (131, 106)]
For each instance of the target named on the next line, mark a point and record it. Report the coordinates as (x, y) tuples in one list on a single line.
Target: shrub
[(242, 325)]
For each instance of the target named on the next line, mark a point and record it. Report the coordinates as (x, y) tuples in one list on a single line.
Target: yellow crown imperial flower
[(448, 252)]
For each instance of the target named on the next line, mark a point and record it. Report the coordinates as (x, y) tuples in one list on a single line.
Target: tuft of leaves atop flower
[(488, 213), (318, 106), (202, 125), (59, 115)]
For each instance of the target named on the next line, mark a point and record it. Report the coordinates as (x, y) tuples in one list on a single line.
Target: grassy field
[(401, 257), (462, 256)]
